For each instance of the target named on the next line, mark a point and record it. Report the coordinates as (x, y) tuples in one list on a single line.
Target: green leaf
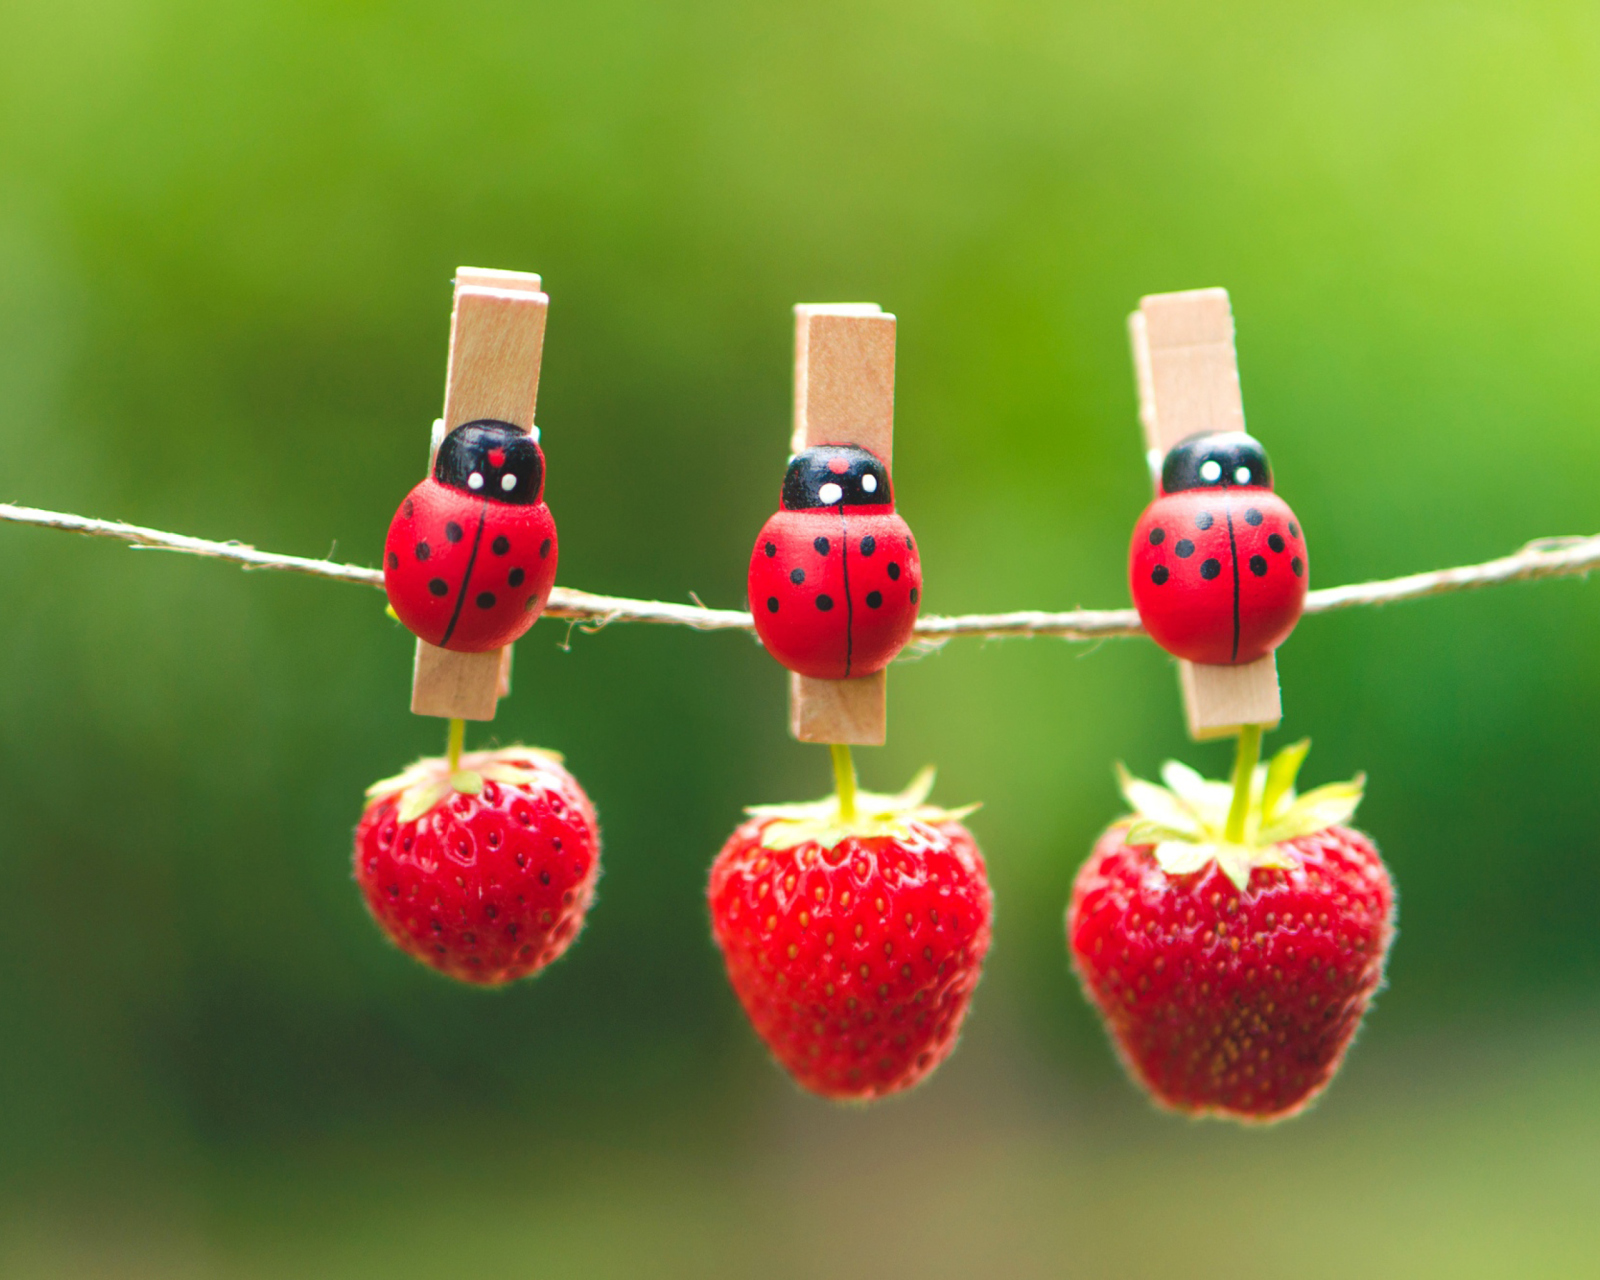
[(819, 822), (1184, 820), (1143, 831), (1157, 804), (1281, 773), (918, 790), (1183, 857), (1237, 862), (467, 782), (1316, 811), (1207, 800), (420, 800)]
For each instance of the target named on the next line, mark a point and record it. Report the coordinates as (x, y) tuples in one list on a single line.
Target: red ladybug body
[(1218, 564), (835, 578), (471, 553)]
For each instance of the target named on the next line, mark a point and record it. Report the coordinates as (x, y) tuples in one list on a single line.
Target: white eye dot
[(1211, 471), (474, 481), (830, 493), (1242, 476), (869, 483), (508, 483)]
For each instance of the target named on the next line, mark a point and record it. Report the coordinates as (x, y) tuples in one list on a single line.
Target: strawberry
[(854, 931), (1232, 938), (484, 871)]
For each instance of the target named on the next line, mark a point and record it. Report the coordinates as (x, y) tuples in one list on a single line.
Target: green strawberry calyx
[(1187, 820), (430, 781), (830, 821)]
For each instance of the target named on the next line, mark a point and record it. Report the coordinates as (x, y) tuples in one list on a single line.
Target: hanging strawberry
[(471, 553), (1218, 565), (481, 865), (854, 930), (835, 579), (1233, 936)]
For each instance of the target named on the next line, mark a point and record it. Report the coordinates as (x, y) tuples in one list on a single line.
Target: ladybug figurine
[(471, 553), (835, 577), (1218, 564)]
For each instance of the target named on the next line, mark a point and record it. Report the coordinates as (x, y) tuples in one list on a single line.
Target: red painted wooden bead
[(471, 553), (1218, 564), (835, 579)]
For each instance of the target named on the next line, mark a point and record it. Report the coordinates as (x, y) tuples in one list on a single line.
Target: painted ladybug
[(835, 577), (471, 554), (1218, 566)]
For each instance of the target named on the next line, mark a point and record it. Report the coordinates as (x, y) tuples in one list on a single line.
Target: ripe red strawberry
[(854, 940), (485, 872), (1232, 974)]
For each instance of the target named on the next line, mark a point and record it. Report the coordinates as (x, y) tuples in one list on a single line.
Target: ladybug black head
[(492, 460), (835, 475), (1216, 460)]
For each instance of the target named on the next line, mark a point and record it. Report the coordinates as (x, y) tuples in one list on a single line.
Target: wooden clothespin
[(1188, 377), (496, 343), (843, 394)]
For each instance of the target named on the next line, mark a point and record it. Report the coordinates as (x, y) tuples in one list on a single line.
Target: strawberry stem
[(844, 781), (457, 738), (1244, 768)]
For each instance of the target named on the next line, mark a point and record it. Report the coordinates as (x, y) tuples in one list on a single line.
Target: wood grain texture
[(1187, 373), (854, 712), (458, 686), (843, 394), (496, 346), (496, 340), (844, 377), (494, 278), (1218, 700)]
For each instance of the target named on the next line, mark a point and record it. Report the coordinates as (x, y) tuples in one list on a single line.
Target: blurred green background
[(226, 240)]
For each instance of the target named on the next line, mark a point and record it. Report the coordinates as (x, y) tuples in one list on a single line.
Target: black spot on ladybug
[(409, 509), (1252, 516), (1157, 537), (1185, 548), (874, 599), (544, 549), (894, 571), (772, 604), (1210, 569), (1297, 566), (439, 587), (1275, 541), (771, 549), (500, 545), (515, 577), (394, 561), (824, 603), (869, 544), (821, 544), (797, 576), (910, 545), (1294, 529), (1204, 521), (453, 531), (423, 551), (485, 599), (1258, 565), (915, 595), (1159, 575)]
